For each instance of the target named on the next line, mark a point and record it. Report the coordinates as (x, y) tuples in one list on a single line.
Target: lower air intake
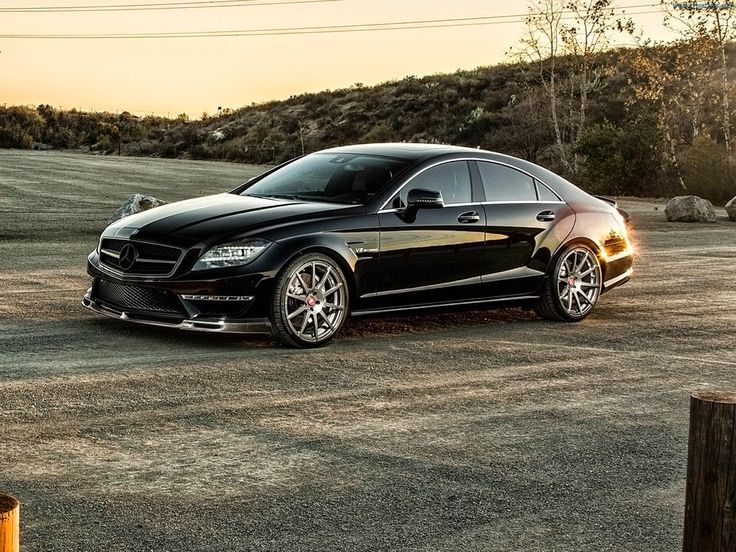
[(136, 298)]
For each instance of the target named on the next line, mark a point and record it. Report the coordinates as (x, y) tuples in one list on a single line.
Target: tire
[(310, 301), (573, 286)]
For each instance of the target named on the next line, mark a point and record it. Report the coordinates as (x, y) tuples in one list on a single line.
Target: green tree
[(623, 160), (705, 169)]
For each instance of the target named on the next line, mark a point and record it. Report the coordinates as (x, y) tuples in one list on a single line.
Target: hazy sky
[(170, 76)]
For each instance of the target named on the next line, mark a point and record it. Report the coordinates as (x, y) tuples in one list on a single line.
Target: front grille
[(136, 298), (147, 258)]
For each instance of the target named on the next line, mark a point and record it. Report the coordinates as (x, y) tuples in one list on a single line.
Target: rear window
[(545, 194), (502, 183)]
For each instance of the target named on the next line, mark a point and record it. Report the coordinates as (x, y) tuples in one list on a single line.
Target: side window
[(502, 183), (452, 179), (544, 193)]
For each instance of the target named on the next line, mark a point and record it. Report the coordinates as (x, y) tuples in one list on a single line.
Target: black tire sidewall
[(554, 288), (280, 326)]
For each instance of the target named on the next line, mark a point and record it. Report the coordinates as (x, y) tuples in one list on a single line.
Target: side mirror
[(419, 198)]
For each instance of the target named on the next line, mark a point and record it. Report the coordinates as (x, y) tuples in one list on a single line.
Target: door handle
[(469, 217), (546, 216)]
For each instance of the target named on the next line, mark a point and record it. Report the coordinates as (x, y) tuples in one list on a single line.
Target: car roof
[(400, 150), (415, 153)]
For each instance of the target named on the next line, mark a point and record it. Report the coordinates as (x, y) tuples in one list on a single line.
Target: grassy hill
[(622, 149)]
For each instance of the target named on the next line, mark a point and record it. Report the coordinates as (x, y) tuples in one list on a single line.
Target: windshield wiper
[(298, 197), (276, 196)]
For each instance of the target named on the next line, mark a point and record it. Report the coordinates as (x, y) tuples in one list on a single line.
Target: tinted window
[(452, 179), (329, 177), (544, 193), (502, 183)]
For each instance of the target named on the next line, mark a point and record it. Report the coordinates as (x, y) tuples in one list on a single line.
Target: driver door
[(437, 255)]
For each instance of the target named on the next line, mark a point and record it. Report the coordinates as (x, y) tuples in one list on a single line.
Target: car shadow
[(368, 327), (432, 320)]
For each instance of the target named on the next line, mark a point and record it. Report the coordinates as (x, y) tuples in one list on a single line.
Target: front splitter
[(255, 326)]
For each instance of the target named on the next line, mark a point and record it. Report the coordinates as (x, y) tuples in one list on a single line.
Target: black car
[(361, 230)]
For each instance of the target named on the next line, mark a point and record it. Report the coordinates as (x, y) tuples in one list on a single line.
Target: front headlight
[(231, 254)]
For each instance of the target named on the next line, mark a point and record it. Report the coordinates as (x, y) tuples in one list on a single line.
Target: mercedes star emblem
[(128, 256)]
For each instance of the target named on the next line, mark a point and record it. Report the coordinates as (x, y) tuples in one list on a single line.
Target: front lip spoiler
[(256, 326)]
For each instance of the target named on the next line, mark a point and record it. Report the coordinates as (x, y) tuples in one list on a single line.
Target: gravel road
[(480, 430)]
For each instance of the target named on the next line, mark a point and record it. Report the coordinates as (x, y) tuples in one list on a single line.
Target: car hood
[(210, 218)]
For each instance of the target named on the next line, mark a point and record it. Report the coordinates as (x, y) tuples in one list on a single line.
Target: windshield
[(329, 177)]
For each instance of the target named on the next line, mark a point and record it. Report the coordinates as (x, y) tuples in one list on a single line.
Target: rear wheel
[(573, 287), (310, 301)]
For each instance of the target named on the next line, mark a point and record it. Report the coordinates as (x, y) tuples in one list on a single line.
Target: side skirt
[(507, 299)]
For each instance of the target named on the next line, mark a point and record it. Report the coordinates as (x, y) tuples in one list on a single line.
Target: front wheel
[(572, 288), (310, 301)]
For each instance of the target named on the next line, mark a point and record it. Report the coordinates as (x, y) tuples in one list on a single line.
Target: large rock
[(135, 204), (731, 209), (690, 208)]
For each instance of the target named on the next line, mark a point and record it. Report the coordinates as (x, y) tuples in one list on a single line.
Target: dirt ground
[(481, 430)]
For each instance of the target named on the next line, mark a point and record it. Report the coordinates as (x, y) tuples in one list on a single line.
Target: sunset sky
[(192, 75)]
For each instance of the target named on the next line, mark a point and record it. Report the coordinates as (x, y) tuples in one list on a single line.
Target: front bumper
[(216, 325), (220, 302)]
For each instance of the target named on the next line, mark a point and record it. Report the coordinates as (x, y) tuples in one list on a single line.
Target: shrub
[(15, 137), (623, 161), (707, 171), (103, 144)]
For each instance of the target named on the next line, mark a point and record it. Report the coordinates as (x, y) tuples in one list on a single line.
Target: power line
[(197, 4), (326, 29)]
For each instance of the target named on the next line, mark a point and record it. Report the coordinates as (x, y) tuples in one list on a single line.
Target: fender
[(355, 251)]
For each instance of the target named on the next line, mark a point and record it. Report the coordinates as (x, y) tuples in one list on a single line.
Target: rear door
[(520, 211)]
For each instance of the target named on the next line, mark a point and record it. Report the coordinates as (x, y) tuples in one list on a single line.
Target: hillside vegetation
[(645, 135)]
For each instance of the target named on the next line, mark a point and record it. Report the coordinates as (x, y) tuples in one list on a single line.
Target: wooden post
[(9, 524), (710, 498)]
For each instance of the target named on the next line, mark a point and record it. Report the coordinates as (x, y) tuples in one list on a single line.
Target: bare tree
[(582, 30), (674, 79), (529, 134), (711, 22), (586, 37), (540, 45)]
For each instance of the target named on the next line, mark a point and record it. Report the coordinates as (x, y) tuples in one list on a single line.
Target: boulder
[(731, 209), (690, 208), (135, 204)]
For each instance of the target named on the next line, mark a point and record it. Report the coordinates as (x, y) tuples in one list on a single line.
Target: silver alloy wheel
[(315, 301), (578, 282)]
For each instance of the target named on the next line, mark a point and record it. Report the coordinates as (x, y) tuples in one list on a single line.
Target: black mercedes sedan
[(361, 230)]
